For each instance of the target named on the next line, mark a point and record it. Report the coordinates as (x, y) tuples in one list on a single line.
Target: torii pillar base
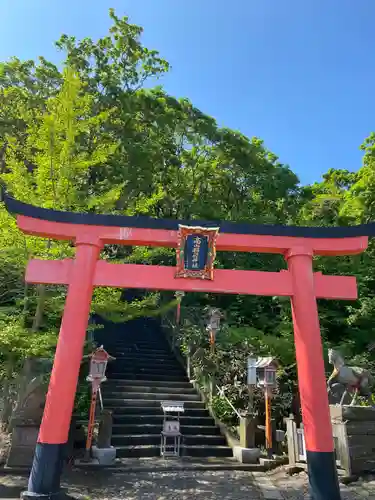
[(46, 473)]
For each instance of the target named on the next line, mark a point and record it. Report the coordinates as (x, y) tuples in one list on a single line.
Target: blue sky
[(300, 74)]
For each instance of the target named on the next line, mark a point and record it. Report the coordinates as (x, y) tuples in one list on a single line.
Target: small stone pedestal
[(104, 452), (104, 456), (246, 453), (105, 429), (354, 432), (247, 431)]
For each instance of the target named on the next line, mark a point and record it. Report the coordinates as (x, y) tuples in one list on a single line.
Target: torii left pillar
[(44, 481)]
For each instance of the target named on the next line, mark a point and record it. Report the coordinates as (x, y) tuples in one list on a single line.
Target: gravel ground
[(295, 487), (223, 485), (183, 485)]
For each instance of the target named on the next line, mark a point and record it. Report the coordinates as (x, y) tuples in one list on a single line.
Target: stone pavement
[(184, 485), (202, 485), (295, 487)]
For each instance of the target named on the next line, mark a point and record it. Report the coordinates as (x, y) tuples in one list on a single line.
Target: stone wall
[(28, 411)]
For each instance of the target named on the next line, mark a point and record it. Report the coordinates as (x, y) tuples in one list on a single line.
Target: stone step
[(147, 428), (139, 344), (114, 389), (151, 403), (145, 356), (121, 336), (170, 384), (146, 368), (113, 371), (146, 346), (154, 364), (146, 352), (147, 376), (190, 418), (154, 439), (149, 396), (146, 349), (153, 408), (155, 368), (186, 451)]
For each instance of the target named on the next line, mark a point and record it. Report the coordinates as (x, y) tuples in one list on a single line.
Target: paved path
[(179, 485), (184, 485), (296, 487)]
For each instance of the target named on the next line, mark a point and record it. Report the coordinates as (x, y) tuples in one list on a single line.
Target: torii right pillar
[(320, 453)]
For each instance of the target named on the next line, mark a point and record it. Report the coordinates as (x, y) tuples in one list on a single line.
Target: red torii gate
[(90, 232)]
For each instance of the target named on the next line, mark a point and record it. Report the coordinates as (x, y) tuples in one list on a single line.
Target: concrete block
[(105, 456), (246, 455)]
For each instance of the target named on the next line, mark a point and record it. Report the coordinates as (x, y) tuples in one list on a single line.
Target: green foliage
[(17, 343), (223, 411), (52, 166), (83, 400), (108, 304)]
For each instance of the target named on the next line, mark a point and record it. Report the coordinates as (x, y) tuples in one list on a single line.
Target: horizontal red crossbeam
[(162, 278), (167, 238)]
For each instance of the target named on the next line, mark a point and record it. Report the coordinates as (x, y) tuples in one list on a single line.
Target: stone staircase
[(145, 373)]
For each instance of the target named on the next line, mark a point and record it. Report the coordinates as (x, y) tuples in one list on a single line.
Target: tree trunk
[(38, 317)]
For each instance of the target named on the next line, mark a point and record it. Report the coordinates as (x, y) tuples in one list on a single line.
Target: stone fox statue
[(355, 380)]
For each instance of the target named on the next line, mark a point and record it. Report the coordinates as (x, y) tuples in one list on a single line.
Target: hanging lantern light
[(98, 365)]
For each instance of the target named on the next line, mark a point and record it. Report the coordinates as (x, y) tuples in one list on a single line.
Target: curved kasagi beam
[(147, 231), (142, 222)]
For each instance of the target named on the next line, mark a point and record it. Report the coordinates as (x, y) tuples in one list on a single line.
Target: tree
[(50, 166)]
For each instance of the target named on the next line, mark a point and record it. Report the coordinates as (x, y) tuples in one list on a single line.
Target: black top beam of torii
[(18, 207)]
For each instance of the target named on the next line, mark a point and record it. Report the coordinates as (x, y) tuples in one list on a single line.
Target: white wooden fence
[(301, 445), (297, 445)]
